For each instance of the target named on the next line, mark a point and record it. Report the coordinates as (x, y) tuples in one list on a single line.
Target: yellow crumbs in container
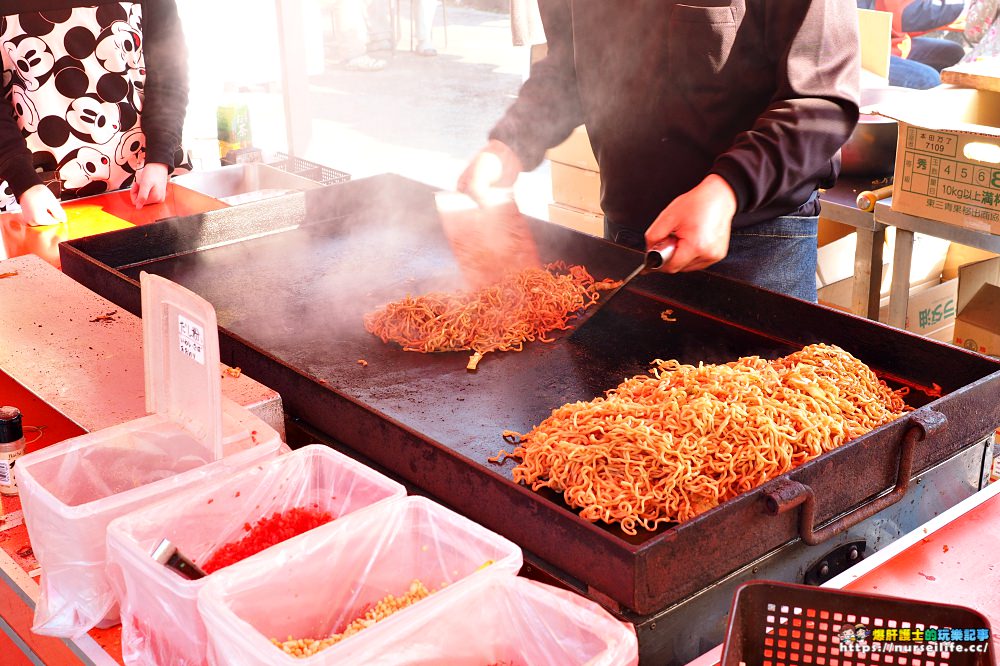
[(307, 647)]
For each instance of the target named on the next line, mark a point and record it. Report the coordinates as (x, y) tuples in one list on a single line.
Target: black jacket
[(760, 92)]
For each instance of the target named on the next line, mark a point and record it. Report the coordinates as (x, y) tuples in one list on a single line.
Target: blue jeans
[(778, 255), (928, 15), (921, 69)]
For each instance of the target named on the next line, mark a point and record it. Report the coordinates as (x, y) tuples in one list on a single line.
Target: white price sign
[(192, 339)]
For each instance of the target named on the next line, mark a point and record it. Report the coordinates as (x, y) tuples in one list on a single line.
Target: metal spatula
[(653, 260), (489, 237)]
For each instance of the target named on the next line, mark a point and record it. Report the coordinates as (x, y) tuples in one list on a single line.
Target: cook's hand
[(40, 207), (701, 220), (496, 165), (150, 186)]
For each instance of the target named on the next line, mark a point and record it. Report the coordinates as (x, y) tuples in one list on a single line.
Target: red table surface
[(94, 215), (958, 563), (14, 541)]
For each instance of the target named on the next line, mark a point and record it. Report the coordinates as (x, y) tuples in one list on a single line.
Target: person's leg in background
[(911, 74), (934, 52), (378, 20), (424, 20), (350, 34), (929, 15)]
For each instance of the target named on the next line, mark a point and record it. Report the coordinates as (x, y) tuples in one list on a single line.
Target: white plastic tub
[(72, 490), (160, 620), (502, 619), (316, 585)]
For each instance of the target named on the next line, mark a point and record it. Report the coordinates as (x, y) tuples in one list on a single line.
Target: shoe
[(365, 63), (381, 45), (425, 49)]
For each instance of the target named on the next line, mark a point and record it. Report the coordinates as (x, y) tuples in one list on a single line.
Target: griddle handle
[(786, 494)]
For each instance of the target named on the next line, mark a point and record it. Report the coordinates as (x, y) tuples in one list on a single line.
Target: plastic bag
[(503, 620), (160, 620), (71, 491), (318, 584)]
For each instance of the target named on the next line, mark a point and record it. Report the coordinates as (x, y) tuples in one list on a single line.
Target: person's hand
[(150, 186), (40, 207), (700, 220), (496, 165)]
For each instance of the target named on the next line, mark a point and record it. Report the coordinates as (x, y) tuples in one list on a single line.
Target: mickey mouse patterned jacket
[(91, 90)]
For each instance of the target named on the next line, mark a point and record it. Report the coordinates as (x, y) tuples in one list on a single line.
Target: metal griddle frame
[(644, 573)]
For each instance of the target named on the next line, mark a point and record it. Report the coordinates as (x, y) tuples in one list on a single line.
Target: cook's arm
[(815, 109), (166, 91), (548, 105)]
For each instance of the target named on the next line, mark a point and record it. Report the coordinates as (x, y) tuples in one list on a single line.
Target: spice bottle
[(11, 447)]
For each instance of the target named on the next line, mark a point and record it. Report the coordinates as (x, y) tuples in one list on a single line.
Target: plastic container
[(502, 620), (72, 490), (778, 624), (160, 620), (317, 584)]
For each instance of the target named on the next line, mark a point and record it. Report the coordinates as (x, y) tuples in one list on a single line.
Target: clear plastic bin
[(72, 490), (317, 584), (160, 620), (502, 620)]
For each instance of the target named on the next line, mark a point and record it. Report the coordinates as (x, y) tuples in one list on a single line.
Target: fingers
[(701, 221), (133, 192), (56, 211), (496, 165), (40, 207), (150, 185)]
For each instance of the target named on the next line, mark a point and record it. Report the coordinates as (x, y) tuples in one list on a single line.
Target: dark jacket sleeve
[(815, 107), (166, 92), (15, 158), (548, 105)]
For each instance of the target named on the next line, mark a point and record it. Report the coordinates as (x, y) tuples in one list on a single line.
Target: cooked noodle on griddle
[(667, 446), (523, 306)]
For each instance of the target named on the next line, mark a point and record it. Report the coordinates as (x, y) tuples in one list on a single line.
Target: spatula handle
[(658, 256)]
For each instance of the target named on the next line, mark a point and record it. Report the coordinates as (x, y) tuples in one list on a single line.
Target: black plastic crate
[(780, 624)]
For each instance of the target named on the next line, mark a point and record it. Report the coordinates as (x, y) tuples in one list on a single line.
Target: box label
[(191, 337), (932, 168), (933, 315)]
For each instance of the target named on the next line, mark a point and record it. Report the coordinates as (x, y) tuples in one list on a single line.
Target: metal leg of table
[(868, 273), (899, 291)]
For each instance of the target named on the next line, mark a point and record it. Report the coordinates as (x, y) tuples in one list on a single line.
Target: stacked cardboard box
[(948, 157), (576, 185), (977, 326)]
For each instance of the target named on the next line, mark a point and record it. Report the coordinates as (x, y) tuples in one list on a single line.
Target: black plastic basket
[(317, 172), (778, 624)]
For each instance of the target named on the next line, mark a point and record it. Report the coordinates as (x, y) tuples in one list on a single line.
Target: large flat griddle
[(291, 278)]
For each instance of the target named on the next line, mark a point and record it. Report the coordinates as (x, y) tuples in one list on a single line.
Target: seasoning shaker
[(11, 447)]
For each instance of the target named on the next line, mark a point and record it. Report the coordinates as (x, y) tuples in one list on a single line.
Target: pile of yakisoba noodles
[(522, 306), (667, 446)]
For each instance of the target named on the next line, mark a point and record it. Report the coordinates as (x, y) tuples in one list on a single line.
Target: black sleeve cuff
[(20, 175)]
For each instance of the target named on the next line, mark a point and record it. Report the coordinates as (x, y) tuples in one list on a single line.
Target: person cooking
[(712, 122), (94, 98)]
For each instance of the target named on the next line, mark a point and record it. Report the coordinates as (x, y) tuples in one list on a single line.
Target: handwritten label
[(192, 339)]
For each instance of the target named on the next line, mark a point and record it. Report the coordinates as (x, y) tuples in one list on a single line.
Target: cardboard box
[(579, 220), (835, 261), (946, 334), (575, 151), (930, 308), (576, 188), (977, 326), (948, 157)]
